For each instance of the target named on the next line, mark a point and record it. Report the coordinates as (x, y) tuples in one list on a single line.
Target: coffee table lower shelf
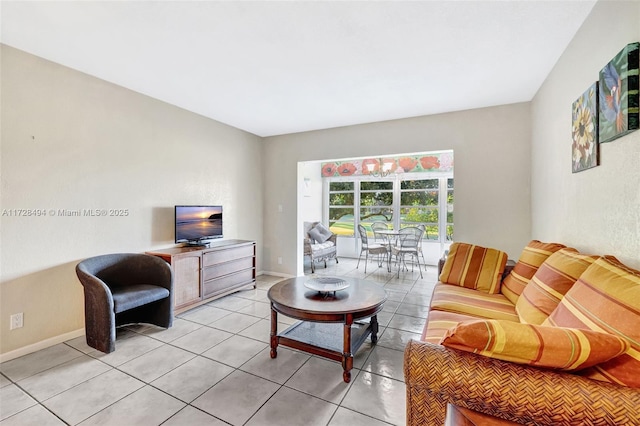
[(328, 340)]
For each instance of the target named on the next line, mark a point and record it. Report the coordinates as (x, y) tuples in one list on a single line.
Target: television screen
[(198, 223)]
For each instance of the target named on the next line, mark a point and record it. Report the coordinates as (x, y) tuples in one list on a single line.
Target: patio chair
[(379, 226), (408, 242), (366, 247), (423, 227)]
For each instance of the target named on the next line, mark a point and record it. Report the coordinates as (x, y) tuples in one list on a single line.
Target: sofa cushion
[(472, 302), (533, 255), (606, 298), (551, 347), (551, 282), (320, 233), (438, 323), (474, 267)]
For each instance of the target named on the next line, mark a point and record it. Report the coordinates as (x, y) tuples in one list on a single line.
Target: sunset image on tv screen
[(198, 222)]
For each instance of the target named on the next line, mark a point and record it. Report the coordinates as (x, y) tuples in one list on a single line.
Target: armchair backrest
[(122, 269)]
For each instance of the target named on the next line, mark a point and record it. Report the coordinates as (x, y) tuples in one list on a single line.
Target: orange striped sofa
[(552, 339)]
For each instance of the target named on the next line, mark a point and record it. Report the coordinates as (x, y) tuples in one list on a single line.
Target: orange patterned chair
[(553, 339)]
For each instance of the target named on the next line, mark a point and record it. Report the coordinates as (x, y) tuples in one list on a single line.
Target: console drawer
[(221, 256), (227, 282), (215, 271)]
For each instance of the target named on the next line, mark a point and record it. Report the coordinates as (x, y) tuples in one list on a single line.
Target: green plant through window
[(376, 203), (341, 208), (403, 201), (419, 205)]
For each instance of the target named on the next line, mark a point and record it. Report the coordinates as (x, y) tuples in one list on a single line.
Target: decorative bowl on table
[(326, 284)]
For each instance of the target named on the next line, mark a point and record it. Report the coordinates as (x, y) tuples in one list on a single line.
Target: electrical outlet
[(279, 261), (17, 321)]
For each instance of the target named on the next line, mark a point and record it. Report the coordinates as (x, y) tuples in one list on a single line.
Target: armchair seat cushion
[(132, 296), (322, 246), (323, 249)]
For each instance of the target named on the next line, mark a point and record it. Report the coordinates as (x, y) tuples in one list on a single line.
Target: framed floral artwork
[(618, 85), (584, 130)]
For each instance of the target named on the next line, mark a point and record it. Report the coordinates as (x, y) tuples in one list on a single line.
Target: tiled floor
[(213, 368)]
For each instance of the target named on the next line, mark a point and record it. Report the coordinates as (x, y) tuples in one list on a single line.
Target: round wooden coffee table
[(329, 321)]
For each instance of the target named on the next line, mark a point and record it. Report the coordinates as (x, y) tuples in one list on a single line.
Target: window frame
[(326, 195), (396, 179), (426, 207), (369, 191)]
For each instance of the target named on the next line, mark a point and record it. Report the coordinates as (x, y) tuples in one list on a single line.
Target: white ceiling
[(272, 67)]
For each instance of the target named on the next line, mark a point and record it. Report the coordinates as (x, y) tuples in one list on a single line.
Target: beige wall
[(71, 141), (492, 168), (596, 210), (310, 193)]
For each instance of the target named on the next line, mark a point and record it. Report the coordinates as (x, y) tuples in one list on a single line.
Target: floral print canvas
[(584, 130), (433, 162), (619, 94)]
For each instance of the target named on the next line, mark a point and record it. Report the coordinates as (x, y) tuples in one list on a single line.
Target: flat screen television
[(197, 224)]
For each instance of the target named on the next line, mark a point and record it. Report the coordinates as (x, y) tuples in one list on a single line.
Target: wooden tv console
[(201, 274)]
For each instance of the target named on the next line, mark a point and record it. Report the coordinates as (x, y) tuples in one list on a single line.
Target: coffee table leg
[(274, 333), (374, 329), (347, 356)]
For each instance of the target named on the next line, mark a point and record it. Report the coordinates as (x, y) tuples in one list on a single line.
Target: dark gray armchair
[(124, 288)]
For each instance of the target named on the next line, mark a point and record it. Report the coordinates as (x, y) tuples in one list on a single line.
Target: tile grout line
[(392, 313)]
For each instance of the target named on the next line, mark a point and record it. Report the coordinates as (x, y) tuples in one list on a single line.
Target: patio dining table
[(391, 237)]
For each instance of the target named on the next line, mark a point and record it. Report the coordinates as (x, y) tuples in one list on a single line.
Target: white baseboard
[(276, 274), (25, 350)]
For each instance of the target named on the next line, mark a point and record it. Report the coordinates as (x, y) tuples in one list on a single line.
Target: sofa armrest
[(436, 375), (442, 260)]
